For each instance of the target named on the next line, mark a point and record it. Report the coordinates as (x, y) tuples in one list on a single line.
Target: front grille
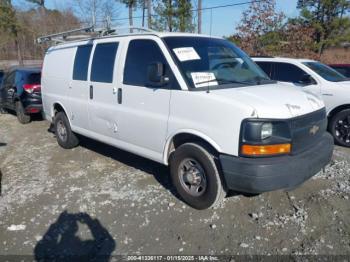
[(307, 130)]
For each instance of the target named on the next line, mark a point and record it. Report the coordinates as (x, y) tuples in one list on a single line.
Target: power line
[(193, 10)]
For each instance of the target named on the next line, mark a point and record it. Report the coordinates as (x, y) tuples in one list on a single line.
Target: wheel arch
[(337, 109), (186, 136), (58, 107)]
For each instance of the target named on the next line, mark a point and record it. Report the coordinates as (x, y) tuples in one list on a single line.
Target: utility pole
[(93, 13), (143, 13), (199, 16), (149, 13)]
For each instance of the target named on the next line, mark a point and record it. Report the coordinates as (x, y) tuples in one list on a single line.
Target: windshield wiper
[(223, 80), (259, 79)]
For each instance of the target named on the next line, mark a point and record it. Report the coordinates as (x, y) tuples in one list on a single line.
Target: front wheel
[(196, 176), (64, 134), (22, 117), (340, 128)]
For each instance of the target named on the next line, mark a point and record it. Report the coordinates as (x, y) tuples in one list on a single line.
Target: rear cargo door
[(103, 90)]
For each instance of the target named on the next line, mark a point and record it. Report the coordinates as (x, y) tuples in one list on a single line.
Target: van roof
[(30, 69), (157, 34)]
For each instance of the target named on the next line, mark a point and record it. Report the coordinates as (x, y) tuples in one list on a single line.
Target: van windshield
[(209, 62), (326, 72)]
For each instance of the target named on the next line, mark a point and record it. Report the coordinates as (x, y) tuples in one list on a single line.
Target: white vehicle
[(323, 81), (193, 102)]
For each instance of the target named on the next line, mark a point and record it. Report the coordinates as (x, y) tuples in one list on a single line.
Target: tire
[(339, 126), (196, 176), (2, 110), (64, 135), (22, 117)]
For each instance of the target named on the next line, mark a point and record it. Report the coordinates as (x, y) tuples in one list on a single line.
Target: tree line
[(262, 30), (321, 24), (20, 27)]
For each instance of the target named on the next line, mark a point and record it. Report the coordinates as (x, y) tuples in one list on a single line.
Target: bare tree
[(96, 11), (257, 22)]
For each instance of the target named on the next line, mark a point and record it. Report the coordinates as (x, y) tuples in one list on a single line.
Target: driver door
[(143, 110)]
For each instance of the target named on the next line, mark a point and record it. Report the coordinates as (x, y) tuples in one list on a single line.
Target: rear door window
[(81, 62), (103, 62), (266, 66), (287, 73)]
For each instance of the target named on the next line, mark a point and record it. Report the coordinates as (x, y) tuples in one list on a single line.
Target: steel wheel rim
[(342, 129), (192, 177), (61, 130)]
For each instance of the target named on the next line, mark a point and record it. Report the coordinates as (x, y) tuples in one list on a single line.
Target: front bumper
[(258, 175)]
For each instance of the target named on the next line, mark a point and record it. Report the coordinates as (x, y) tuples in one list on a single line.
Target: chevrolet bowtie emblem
[(314, 130)]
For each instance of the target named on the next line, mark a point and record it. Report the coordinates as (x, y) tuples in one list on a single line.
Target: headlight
[(263, 137), (266, 131)]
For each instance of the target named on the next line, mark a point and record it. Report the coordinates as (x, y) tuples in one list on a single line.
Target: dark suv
[(1, 76), (21, 91)]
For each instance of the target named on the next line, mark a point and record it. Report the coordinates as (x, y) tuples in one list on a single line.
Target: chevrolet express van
[(193, 102)]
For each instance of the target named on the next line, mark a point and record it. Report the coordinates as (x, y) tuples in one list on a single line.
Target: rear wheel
[(22, 117), (340, 128), (196, 176), (64, 135)]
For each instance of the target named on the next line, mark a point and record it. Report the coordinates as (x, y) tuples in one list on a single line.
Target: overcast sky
[(224, 20)]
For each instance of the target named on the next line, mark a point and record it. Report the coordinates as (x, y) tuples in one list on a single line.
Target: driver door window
[(141, 53), (288, 73)]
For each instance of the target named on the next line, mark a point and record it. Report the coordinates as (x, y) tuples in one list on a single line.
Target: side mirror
[(306, 80), (156, 74)]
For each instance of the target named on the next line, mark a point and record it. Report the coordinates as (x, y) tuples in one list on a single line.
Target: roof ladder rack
[(61, 37), (64, 36)]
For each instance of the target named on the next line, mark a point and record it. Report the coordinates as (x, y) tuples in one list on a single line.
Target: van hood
[(273, 100)]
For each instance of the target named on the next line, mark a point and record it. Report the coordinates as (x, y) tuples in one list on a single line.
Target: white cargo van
[(196, 103)]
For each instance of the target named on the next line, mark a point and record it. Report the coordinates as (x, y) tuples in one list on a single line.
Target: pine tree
[(131, 4), (174, 15), (41, 3), (10, 25), (328, 18)]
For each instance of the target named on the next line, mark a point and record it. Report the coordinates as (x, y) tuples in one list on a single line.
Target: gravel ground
[(98, 199)]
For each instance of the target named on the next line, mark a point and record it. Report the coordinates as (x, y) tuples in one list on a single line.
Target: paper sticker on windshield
[(203, 79), (186, 54)]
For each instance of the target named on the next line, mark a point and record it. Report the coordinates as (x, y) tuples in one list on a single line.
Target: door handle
[(91, 92), (120, 95)]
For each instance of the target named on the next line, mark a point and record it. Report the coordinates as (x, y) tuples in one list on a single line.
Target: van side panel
[(56, 78)]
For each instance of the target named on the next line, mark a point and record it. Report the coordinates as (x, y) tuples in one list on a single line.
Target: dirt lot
[(97, 199)]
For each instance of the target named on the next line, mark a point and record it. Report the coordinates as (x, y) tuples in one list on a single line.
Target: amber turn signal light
[(261, 150)]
